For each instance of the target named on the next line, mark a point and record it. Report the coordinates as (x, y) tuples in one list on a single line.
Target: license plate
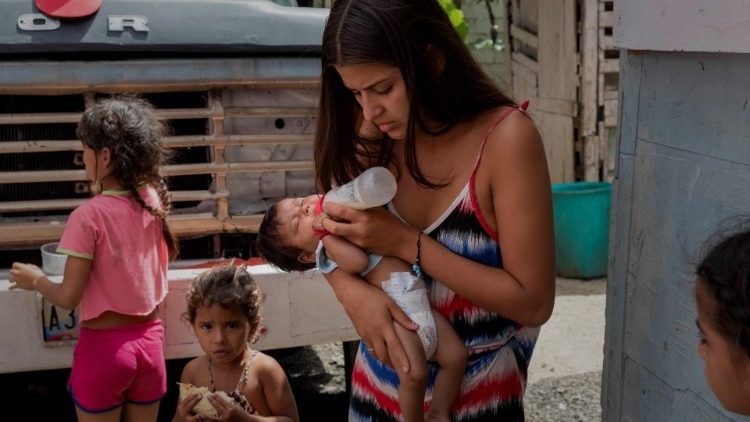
[(59, 326)]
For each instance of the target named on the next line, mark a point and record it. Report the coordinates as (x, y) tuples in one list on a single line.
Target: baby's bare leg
[(451, 354), (412, 384)]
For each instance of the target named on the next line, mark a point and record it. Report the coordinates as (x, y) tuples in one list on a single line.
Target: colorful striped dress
[(499, 349)]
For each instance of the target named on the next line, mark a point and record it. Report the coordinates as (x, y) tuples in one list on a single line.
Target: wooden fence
[(563, 61)]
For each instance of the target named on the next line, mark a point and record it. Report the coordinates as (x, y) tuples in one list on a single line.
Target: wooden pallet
[(600, 67), (608, 88), (190, 221), (543, 71)]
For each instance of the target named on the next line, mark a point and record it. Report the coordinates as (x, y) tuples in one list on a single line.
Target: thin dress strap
[(237, 395), (243, 379), (472, 181), (522, 108)]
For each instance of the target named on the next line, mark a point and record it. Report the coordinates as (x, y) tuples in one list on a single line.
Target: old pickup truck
[(236, 81)]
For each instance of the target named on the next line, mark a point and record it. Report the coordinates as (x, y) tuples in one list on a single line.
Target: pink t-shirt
[(128, 252)]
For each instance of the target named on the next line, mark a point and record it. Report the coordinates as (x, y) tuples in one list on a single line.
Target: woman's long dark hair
[(409, 35), (128, 126)]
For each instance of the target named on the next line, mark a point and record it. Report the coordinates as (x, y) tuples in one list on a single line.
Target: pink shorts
[(118, 365)]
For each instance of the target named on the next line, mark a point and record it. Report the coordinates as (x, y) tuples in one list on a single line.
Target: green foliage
[(457, 18), (462, 28)]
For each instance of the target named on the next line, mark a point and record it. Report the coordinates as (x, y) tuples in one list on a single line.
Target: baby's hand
[(317, 223)]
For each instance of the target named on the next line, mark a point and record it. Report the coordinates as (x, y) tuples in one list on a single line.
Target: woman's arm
[(372, 313), (66, 294), (515, 190), (514, 193)]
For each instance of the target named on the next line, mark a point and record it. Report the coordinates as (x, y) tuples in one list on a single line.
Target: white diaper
[(410, 294)]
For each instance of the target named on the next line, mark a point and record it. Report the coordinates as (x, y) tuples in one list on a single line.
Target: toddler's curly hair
[(227, 286)]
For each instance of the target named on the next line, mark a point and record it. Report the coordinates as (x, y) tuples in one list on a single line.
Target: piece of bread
[(204, 407)]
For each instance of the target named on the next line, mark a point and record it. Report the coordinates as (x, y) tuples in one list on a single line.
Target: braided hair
[(226, 286), (128, 127), (724, 274)]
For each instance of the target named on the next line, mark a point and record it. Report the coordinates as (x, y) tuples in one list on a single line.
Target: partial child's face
[(295, 217), (727, 369), (380, 91), (96, 163), (90, 161), (222, 332)]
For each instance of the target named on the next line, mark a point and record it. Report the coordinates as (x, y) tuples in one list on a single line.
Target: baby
[(288, 239)]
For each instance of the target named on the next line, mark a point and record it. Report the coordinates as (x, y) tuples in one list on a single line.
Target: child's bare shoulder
[(262, 360), (193, 371), (265, 366)]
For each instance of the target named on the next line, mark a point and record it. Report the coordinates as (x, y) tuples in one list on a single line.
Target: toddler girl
[(223, 307), (722, 295), (118, 244)]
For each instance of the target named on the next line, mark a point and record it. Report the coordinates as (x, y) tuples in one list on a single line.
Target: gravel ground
[(572, 398), (317, 369), (316, 374), (319, 387)]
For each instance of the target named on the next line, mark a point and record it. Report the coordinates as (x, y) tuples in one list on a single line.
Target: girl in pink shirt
[(118, 244)]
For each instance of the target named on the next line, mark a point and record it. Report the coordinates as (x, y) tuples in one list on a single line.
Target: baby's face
[(726, 367), (295, 216)]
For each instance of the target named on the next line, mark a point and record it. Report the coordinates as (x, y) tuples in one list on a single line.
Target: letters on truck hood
[(195, 26)]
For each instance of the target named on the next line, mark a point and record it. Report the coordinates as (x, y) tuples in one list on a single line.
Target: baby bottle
[(373, 188)]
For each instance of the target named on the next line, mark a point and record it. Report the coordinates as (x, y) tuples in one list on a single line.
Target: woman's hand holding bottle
[(374, 230)]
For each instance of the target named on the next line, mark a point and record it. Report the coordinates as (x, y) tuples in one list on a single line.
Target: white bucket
[(53, 263)]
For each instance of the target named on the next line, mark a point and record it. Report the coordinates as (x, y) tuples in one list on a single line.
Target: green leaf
[(456, 17), (447, 5)]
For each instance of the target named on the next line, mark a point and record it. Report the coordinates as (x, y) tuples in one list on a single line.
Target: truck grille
[(234, 149)]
